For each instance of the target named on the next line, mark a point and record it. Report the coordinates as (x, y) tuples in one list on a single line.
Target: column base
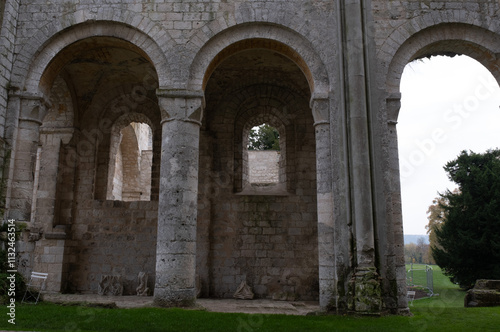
[(365, 293), (168, 298)]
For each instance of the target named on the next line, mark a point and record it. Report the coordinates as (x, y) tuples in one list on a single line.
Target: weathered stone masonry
[(200, 74)]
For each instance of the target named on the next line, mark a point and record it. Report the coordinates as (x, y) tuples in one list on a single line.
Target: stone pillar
[(364, 294), (326, 230), (178, 199), (25, 133), (393, 102)]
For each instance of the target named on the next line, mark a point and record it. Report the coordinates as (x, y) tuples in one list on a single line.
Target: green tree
[(469, 238), (264, 137)]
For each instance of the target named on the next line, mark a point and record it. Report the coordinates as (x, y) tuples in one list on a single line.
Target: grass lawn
[(440, 313)]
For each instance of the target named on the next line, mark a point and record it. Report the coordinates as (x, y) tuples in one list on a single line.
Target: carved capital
[(34, 107), (65, 134), (320, 105), (183, 105), (393, 102)]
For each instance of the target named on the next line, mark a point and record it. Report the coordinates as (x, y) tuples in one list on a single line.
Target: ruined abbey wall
[(75, 74)]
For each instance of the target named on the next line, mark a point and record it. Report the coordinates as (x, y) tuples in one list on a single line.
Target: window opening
[(263, 155), (132, 164)]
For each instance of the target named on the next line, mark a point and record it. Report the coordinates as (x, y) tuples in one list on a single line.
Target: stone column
[(177, 207), (326, 230)]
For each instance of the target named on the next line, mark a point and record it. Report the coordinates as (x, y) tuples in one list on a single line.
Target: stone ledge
[(55, 236)]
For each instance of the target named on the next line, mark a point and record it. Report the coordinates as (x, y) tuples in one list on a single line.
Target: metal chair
[(411, 296), (35, 287)]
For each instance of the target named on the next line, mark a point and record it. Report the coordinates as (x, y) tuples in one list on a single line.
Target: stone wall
[(263, 166), (225, 66), (111, 238), (144, 136), (270, 242), (9, 12)]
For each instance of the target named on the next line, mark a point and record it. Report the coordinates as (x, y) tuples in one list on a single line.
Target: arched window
[(263, 155), (131, 156)]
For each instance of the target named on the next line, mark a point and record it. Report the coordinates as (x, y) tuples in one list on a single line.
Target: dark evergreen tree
[(469, 238)]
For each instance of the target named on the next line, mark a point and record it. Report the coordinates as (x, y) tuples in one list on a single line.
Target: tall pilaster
[(51, 140), (26, 134), (364, 294), (182, 112)]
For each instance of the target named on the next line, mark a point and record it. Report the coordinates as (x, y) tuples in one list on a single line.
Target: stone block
[(486, 293)]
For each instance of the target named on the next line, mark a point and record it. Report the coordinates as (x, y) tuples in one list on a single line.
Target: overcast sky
[(448, 105)]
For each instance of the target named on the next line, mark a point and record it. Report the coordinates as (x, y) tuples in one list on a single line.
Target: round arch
[(112, 118), (445, 39), (36, 75), (259, 35), (124, 101), (442, 39)]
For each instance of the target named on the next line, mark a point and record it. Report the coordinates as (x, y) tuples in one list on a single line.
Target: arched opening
[(448, 104), (109, 85), (131, 159), (267, 238), (450, 39)]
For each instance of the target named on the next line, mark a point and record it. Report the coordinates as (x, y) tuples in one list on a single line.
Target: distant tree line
[(419, 253)]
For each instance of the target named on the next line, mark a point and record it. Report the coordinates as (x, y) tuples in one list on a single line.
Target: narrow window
[(263, 156), (132, 164)]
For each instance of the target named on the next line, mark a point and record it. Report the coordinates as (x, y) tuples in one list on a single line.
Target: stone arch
[(431, 19), (260, 35), (126, 119), (282, 13), (256, 105), (114, 117), (254, 82), (36, 56), (443, 39), (421, 38), (123, 104), (60, 113)]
